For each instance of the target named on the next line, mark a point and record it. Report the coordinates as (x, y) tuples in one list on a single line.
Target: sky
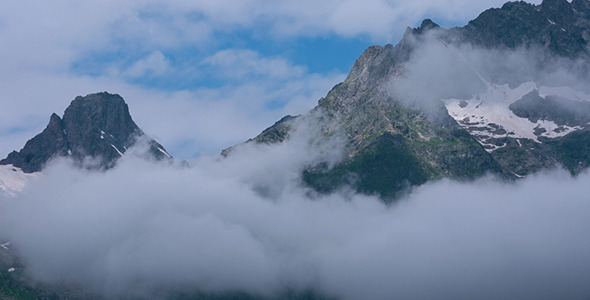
[(202, 76), (199, 76)]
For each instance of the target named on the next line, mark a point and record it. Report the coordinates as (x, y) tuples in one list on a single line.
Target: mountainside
[(95, 131), (430, 107), (557, 25)]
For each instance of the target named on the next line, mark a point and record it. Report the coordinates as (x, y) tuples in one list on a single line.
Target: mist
[(246, 223), (439, 70)]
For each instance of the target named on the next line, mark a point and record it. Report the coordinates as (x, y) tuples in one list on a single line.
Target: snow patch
[(517, 176), (10, 270), (102, 135), (5, 245), (487, 116), (13, 179), (164, 152), (551, 22), (117, 149)]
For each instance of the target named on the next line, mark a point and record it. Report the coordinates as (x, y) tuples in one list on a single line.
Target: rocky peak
[(426, 25), (97, 126), (100, 125)]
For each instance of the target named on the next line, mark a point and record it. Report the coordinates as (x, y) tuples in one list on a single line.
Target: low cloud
[(438, 70), (246, 223)]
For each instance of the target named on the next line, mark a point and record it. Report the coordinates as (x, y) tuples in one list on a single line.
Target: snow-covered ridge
[(13, 179), (487, 115)]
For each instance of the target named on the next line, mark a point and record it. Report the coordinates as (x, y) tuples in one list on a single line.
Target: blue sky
[(199, 76)]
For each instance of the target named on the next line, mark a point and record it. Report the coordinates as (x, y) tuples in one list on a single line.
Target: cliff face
[(95, 131), (557, 25)]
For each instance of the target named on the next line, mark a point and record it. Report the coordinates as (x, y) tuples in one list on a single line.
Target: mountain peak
[(427, 24), (98, 126), (54, 118), (554, 3), (396, 136)]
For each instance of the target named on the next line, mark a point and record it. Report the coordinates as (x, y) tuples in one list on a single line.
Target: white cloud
[(258, 92), (155, 64), (245, 223), (37, 34), (240, 63)]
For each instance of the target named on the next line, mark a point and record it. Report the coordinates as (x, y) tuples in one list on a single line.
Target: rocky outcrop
[(95, 131), (557, 25)]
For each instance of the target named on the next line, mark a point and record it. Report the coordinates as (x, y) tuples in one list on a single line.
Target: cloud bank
[(246, 223)]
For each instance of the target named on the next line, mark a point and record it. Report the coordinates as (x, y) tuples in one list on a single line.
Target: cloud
[(39, 37), (256, 92), (246, 223), (201, 229), (156, 64), (239, 63), (437, 70)]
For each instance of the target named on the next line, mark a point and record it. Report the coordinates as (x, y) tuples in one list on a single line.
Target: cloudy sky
[(198, 75)]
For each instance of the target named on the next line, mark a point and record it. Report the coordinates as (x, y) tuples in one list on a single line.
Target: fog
[(246, 223)]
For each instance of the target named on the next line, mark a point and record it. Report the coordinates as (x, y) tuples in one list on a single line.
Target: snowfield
[(487, 116), (13, 179)]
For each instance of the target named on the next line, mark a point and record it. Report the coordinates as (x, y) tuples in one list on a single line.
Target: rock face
[(560, 26), (396, 139), (95, 131)]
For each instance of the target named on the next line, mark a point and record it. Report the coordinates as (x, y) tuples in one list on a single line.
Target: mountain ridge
[(382, 117)]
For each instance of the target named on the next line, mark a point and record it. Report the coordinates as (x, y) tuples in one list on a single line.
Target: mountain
[(451, 103), (95, 131), (561, 27)]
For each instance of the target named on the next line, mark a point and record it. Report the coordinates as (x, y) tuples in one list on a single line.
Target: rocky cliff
[(95, 131)]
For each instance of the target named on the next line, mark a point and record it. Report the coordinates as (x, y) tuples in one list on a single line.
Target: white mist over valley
[(141, 229)]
